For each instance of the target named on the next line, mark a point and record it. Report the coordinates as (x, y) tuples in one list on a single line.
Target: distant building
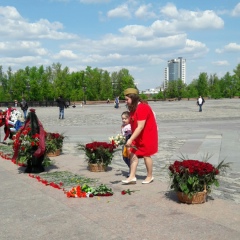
[(175, 70), (152, 91)]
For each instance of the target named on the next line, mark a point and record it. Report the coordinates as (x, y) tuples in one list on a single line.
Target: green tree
[(106, 86), (202, 84), (192, 91), (121, 80), (214, 87), (226, 85)]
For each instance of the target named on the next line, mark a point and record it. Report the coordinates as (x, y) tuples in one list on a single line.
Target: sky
[(138, 35)]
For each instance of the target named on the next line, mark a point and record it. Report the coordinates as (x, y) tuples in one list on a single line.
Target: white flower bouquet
[(118, 140)]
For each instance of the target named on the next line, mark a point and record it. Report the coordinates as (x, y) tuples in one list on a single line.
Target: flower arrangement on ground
[(101, 190), (26, 141), (193, 176), (29, 145), (53, 141), (98, 152)]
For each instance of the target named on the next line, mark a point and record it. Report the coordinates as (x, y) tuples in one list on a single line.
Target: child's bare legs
[(133, 166), (149, 167)]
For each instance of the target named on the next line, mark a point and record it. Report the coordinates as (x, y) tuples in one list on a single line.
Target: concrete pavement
[(30, 210)]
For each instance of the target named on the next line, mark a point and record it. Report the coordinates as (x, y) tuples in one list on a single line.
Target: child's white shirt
[(126, 130)]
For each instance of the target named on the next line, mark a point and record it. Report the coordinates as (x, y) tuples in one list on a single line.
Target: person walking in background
[(144, 139), (126, 132), (61, 105), (200, 102), (116, 102), (24, 107)]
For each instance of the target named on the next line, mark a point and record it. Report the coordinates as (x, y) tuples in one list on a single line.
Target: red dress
[(147, 141)]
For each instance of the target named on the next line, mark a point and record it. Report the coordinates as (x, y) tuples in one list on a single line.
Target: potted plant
[(98, 154), (54, 143), (193, 179)]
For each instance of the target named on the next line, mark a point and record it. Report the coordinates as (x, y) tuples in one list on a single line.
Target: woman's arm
[(136, 133)]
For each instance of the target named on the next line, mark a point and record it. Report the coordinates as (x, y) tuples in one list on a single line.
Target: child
[(126, 132)]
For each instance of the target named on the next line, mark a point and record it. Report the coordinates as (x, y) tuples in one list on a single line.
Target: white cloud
[(15, 27), (185, 19), (165, 28), (65, 54), (120, 11), (22, 48), (221, 63), (114, 49), (179, 22), (236, 10), (195, 49), (138, 31), (22, 61), (231, 47), (10, 12), (170, 10), (157, 29), (145, 12)]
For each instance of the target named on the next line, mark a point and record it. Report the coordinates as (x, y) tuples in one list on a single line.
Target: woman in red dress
[(144, 140)]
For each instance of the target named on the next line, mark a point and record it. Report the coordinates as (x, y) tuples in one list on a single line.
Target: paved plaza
[(29, 210)]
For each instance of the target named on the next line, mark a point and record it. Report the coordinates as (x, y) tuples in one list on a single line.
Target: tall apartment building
[(175, 70)]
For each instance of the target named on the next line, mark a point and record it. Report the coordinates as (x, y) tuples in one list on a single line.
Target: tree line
[(46, 84), (208, 86), (39, 84)]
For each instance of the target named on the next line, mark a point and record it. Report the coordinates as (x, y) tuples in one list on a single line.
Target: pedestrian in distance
[(61, 105), (143, 142), (116, 102), (200, 103), (24, 107)]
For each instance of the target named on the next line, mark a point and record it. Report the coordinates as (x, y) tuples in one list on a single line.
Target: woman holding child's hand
[(144, 139)]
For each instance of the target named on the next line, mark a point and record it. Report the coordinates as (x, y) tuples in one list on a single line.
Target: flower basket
[(98, 155), (54, 153), (97, 167), (193, 179), (54, 143), (196, 198)]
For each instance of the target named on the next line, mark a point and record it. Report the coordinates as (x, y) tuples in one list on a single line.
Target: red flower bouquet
[(98, 152), (26, 143), (192, 176), (53, 141)]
